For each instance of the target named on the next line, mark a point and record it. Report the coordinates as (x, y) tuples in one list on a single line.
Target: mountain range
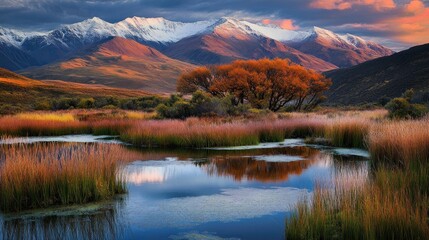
[(156, 50)]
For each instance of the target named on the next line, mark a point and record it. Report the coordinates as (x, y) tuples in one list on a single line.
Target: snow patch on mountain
[(159, 29), (15, 37), (165, 31), (343, 39)]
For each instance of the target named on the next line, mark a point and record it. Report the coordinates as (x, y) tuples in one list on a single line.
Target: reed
[(347, 132), (175, 133), (42, 175), (376, 210), (403, 143), (16, 126), (341, 129), (394, 203)]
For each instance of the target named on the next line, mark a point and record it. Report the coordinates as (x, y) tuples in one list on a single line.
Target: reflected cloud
[(199, 236), (139, 176), (229, 205), (141, 172)]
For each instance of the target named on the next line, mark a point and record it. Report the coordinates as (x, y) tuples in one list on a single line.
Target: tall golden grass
[(342, 129), (197, 133), (400, 143), (16, 126), (41, 175)]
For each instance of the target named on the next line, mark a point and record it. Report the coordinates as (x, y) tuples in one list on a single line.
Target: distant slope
[(230, 40), (23, 92), (14, 58), (387, 76), (116, 62)]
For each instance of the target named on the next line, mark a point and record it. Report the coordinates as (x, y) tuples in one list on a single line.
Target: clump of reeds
[(403, 143), (377, 210), (342, 131), (41, 175), (12, 125), (347, 132), (394, 204), (175, 133)]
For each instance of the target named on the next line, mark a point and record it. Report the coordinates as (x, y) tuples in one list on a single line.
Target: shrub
[(65, 103), (180, 109), (401, 108), (6, 109), (43, 104), (86, 103)]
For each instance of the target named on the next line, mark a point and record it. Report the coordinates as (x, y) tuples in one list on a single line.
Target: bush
[(106, 101), (401, 108), (86, 103), (180, 109), (7, 109), (43, 104), (65, 103)]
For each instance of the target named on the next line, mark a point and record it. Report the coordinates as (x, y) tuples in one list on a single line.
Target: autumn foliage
[(264, 83)]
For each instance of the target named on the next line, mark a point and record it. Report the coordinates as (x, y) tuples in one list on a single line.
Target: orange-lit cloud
[(413, 26), (379, 5), (283, 23), (415, 6)]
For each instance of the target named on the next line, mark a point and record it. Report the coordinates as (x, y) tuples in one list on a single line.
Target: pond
[(219, 193)]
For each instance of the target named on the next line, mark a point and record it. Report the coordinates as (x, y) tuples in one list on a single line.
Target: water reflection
[(87, 222), (227, 193), (264, 168)]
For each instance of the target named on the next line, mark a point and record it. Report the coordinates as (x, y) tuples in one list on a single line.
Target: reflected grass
[(100, 223)]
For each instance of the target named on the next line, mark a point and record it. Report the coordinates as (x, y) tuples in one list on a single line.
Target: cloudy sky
[(395, 23)]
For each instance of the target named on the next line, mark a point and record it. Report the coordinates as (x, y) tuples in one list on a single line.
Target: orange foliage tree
[(263, 83)]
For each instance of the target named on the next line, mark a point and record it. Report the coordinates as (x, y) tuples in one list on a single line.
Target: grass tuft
[(42, 175)]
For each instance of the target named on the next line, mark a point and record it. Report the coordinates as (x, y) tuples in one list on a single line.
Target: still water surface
[(219, 193)]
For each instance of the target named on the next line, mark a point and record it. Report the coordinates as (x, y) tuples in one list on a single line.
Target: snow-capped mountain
[(229, 39), (342, 50), (162, 34)]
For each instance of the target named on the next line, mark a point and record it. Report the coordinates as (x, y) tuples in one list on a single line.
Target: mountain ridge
[(385, 77), (116, 62), (160, 32)]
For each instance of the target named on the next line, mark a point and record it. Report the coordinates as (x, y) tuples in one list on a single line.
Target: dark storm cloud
[(48, 14)]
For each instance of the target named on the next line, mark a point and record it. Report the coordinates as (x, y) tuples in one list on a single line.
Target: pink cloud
[(413, 26), (283, 23), (415, 6), (379, 5)]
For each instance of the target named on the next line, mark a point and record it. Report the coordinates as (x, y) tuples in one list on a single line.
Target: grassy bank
[(195, 133), (394, 204), (343, 129), (111, 122), (42, 175)]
